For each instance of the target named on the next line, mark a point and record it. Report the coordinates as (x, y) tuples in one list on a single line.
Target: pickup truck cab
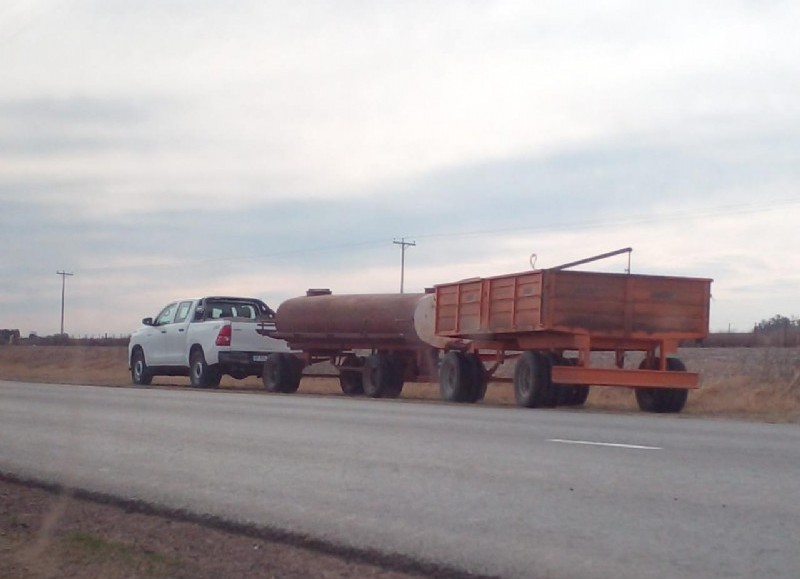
[(204, 339)]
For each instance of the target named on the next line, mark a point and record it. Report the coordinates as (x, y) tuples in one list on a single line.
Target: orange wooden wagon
[(553, 319)]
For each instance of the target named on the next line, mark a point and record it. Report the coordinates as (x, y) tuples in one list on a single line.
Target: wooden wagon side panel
[(626, 306), (603, 305), (458, 307), (512, 304)]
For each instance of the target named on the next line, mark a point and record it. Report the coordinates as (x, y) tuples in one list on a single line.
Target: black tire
[(533, 386), (379, 377), (201, 374), (478, 376), (351, 383), (282, 373), (398, 374), (296, 366), (141, 375), (570, 394), (580, 393), (455, 378), (662, 400), (351, 380)]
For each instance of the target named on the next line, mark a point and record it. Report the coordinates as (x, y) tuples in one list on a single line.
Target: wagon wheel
[(478, 376), (455, 378), (662, 400), (533, 387), (570, 394), (351, 380)]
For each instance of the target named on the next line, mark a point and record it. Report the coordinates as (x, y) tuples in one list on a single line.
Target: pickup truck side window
[(167, 315), (183, 312)]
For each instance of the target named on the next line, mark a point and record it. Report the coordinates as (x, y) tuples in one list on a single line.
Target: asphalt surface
[(498, 491)]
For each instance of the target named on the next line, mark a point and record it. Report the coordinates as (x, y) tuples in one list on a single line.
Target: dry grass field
[(751, 383)]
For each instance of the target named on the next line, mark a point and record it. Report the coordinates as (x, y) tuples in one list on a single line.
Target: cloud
[(168, 150)]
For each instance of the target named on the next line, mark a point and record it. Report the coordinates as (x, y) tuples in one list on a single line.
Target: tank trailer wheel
[(281, 373), (201, 374), (533, 386), (380, 377), (662, 400), (140, 373), (398, 375), (352, 381)]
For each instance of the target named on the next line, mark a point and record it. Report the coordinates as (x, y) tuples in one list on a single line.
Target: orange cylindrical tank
[(393, 319)]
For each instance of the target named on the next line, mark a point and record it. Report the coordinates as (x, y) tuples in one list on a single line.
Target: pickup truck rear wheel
[(201, 374), (140, 373), (281, 373)]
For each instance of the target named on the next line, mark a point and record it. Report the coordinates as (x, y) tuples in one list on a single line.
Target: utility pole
[(63, 275), (403, 244)]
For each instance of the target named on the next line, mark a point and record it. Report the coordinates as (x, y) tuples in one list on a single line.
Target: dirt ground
[(50, 532)]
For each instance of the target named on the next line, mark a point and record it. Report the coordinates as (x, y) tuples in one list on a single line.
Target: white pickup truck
[(204, 339)]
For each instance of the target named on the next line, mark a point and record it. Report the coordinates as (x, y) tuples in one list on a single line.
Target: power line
[(721, 210), (740, 209)]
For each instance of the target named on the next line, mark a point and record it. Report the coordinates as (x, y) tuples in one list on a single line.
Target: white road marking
[(612, 444)]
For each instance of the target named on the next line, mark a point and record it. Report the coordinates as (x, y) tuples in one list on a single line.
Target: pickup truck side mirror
[(147, 321)]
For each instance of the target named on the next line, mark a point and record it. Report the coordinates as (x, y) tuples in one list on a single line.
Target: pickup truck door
[(175, 352), (155, 349)]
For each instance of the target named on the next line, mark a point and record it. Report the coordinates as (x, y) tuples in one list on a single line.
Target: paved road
[(501, 491)]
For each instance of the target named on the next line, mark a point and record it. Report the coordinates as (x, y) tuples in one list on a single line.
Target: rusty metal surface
[(627, 377), (602, 305), (356, 319)]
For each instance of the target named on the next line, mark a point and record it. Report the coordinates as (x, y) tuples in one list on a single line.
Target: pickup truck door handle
[(181, 330), (163, 331)]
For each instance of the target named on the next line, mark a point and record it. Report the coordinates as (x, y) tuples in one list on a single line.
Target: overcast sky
[(169, 149)]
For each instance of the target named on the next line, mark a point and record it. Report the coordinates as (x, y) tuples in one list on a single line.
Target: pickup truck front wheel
[(140, 373), (201, 374)]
